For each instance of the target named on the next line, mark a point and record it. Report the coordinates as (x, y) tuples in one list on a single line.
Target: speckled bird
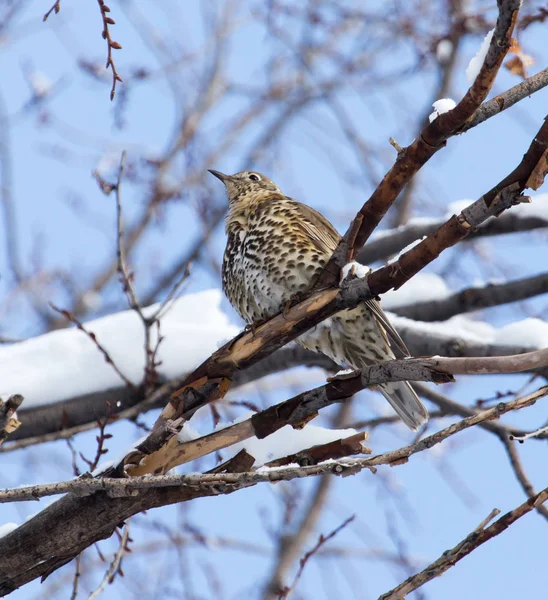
[(275, 247)]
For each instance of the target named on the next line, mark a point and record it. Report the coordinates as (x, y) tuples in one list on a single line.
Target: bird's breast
[(265, 265)]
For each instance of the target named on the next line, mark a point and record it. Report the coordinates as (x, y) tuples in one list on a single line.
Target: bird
[(275, 248)]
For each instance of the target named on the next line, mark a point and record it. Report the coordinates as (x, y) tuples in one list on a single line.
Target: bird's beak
[(224, 178)]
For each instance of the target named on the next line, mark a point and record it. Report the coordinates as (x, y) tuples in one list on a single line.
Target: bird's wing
[(322, 234), (326, 238)]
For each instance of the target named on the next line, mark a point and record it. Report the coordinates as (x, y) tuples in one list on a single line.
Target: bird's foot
[(296, 298), (252, 327)]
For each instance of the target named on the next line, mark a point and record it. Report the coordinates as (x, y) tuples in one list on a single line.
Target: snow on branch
[(442, 306), (65, 363)]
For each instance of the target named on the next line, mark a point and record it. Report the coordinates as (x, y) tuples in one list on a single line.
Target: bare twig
[(111, 45), (126, 278), (76, 579), (70, 317), (56, 7), (517, 466), (115, 565), (478, 537), (286, 592)]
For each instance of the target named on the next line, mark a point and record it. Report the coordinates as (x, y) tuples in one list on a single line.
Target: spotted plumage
[(275, 247)]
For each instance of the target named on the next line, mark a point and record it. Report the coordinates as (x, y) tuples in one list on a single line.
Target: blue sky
[(436, 499)]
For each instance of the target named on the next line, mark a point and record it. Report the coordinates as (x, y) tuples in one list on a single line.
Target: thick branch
[(74, 523)]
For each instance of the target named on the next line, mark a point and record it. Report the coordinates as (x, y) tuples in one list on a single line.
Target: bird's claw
[(296, 298)]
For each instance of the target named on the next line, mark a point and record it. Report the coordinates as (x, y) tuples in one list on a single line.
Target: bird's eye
[(254, 177)]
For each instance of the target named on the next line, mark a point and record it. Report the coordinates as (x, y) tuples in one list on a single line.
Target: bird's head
[(246, 185)]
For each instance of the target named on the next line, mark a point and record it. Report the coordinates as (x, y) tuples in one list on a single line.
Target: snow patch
[(455, 208), (443, 51), (528, 333), (356, 268), (7, 528), (477, 62), (421, 288), (66, 363), (440, 107), (287, 441), (406, 249)]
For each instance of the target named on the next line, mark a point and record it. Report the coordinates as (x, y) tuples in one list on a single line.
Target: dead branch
[(56, 7), (211, 379)]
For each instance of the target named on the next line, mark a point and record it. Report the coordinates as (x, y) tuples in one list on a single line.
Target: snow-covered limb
[(436, 304), (354, 269), (191, 329)]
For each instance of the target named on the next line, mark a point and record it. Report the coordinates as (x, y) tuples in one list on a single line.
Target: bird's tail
[(405, 402)]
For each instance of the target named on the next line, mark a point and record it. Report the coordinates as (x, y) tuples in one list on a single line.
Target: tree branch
[(478, 537), (73, 523)]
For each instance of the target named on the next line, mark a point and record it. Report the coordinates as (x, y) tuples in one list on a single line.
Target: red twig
[(55, 8), (69, 316), (111, 45)]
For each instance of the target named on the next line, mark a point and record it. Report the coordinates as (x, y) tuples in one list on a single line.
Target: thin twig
[(285, 593), (111, 45), (69, 316), (56, 7), (533, 434), (450, 557), (519, 471), (76, 579), (126, 278), (115, 565)]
